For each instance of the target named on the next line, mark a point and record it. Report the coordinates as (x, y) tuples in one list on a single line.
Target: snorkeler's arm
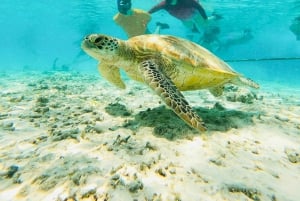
[(116, 18), (200, 9), (157, 7)]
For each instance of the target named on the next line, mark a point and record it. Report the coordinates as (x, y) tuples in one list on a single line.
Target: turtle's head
[(100, 46)]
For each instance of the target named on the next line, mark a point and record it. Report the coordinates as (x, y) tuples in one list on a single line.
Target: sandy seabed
[(73, 136)]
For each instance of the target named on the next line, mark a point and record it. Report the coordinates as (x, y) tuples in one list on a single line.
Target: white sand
[(61, 133)]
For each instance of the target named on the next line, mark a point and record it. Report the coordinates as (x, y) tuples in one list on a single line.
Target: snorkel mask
[(171, 2), (124, 6)]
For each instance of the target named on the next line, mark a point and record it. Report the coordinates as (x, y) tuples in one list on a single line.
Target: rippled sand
[(72, 136)]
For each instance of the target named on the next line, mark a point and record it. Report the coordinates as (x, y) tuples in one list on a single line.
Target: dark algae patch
[(251, 193), (11, 171), (67, 167), (166, 123), (117, 109), (219, 118)]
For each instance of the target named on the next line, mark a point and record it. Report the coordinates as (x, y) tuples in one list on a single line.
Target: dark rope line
[(264, 59)]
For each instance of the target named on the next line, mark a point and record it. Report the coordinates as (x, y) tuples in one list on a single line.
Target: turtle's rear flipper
[(245, 81), (217, 91), (165, 88)]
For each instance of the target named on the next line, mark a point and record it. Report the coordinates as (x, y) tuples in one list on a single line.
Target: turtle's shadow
[(166, 123)]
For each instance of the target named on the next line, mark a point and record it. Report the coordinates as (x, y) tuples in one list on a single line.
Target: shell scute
[(178, 50)]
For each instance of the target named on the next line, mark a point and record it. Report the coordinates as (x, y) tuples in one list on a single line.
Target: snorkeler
[(236, 38), (63, 67), (214, 42), (134, 21), (295, 27), (190, 12), (210, 38)]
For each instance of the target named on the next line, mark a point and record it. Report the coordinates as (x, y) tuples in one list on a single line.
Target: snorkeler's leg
[(199, 23), (190, 34), (162, 25), (159, 26), (188, 24), (157, 30)]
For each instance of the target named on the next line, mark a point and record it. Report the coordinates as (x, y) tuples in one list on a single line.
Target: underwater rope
[(264, 59)]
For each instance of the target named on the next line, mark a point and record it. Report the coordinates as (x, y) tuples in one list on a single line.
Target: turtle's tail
[(245, 81)]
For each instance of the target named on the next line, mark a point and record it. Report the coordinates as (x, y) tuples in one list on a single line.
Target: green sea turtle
[(167, 64)]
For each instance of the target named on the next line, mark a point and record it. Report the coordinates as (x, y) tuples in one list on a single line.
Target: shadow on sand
[(166, 124)]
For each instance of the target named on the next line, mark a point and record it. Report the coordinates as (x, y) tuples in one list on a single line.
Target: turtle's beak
[(87, 38), (92, 38), (87, 42), (89, 46)]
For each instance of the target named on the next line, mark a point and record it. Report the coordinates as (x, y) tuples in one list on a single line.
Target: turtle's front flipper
[(165, 88), (112, 74)]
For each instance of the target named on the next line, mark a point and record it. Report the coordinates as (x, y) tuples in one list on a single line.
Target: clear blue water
[(65, 136), (35, 33)]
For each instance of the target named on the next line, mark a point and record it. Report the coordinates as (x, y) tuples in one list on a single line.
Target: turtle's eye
[(107, 43), (100, 42), (99, 39)]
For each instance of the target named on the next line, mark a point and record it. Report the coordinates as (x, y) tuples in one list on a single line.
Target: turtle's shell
[(189, 65), (166, 64)]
